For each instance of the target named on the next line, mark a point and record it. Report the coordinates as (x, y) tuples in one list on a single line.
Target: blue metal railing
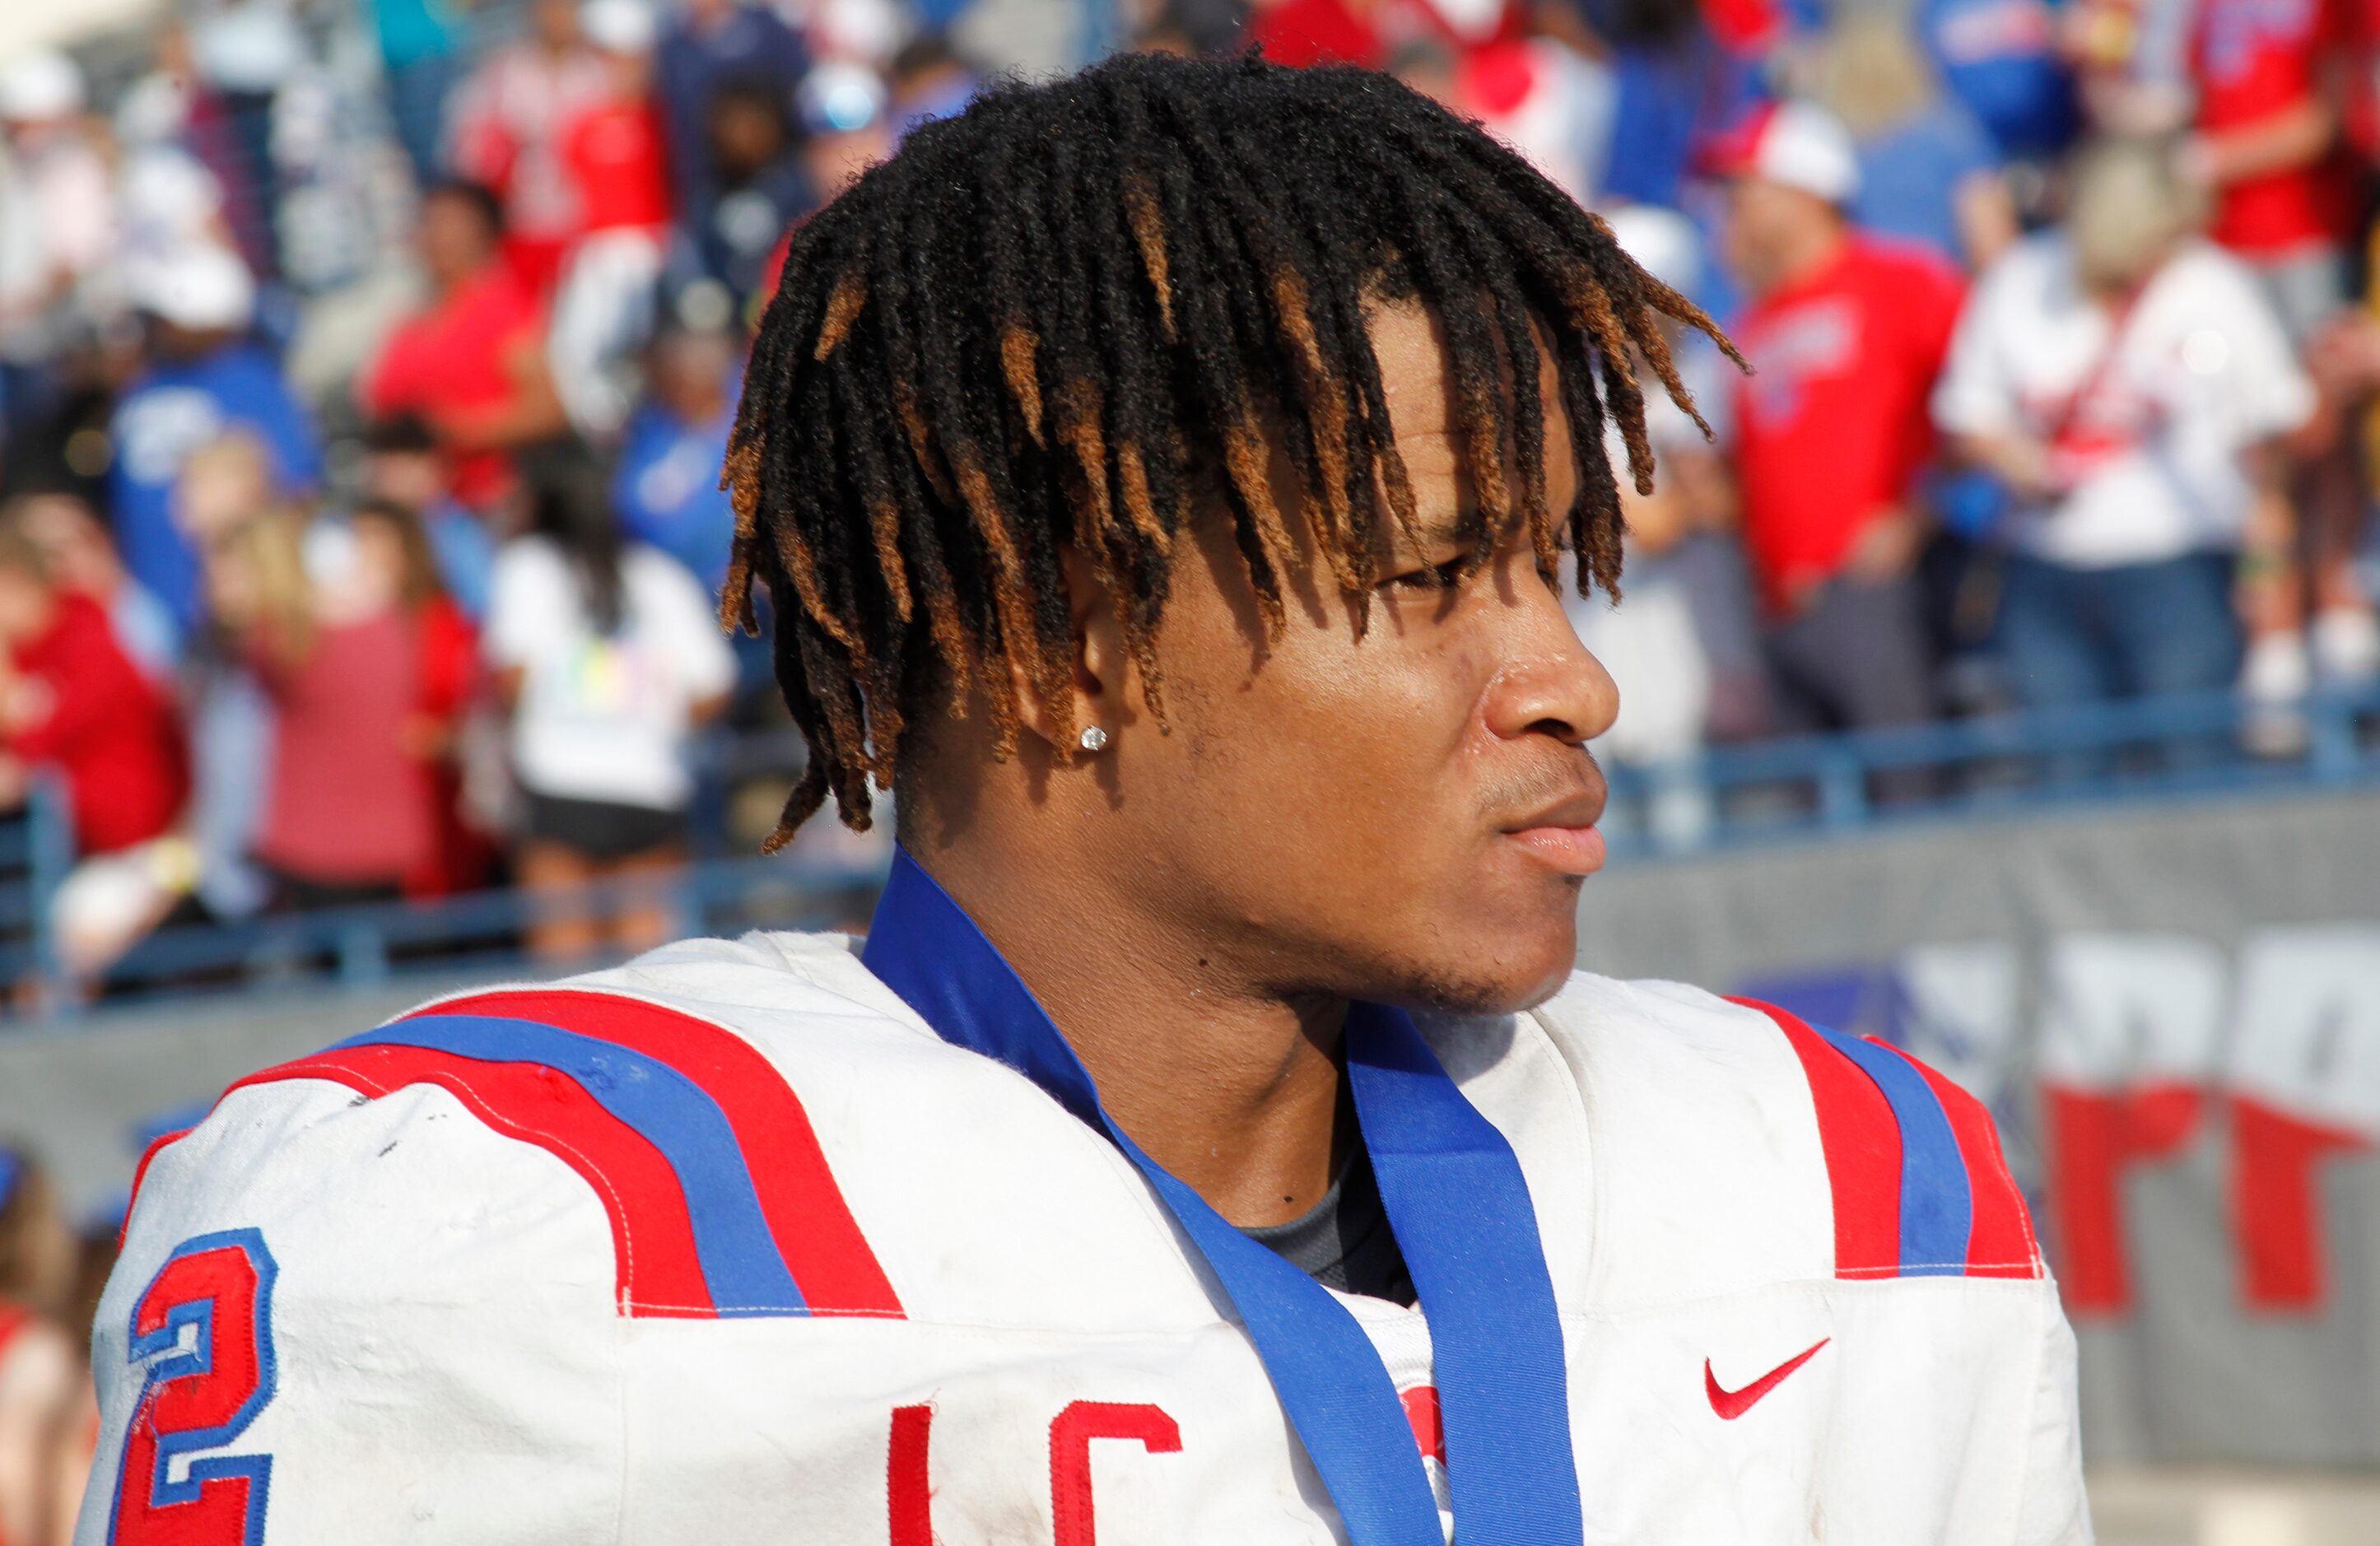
[(1815, 786), (364, 944), (1823, 786)]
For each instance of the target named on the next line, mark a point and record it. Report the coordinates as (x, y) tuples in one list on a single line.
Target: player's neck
[(1232, 1087)]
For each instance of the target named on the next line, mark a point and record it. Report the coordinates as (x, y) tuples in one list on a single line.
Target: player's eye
[(1432, 576)]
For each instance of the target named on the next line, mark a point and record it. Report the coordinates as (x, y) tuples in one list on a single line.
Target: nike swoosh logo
[(1732, 1404)]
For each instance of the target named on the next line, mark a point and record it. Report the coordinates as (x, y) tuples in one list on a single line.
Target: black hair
[(1665, 25), (400, 434), (1078, 310), (757, 93), (570, 507), (483, 201)]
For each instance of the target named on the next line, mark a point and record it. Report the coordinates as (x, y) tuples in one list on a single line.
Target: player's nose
[(1552, 684)]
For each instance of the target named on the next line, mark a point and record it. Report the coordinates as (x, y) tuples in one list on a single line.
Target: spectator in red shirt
[(83, 558), (616, 151), (508, 124), (1845, 336), (2270, 83), (615, 147), (2273, 83), (364, 679), (471, 363), (1302, 33), (1369, 33), (71, 700)]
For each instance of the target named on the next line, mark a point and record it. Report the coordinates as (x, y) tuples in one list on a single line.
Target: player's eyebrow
[(1443, 531)]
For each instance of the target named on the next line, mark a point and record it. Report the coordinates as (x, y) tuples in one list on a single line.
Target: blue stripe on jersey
[(740, 1261), (1936, 1207)]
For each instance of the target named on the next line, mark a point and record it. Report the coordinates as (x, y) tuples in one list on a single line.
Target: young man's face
[(72, 543), (745, 134), (28, 606), (413, 478), (455, 240), (1397, 817), (1765, 220), (556, 22)]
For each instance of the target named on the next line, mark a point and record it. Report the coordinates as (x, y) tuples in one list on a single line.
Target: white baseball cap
[(1794, 144), (41, 85), (200, 287), (619, 26)]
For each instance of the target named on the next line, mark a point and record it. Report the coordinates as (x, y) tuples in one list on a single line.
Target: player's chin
[(1504, 960)]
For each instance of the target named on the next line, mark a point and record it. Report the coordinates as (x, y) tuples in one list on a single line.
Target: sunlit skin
[(1405, 817)]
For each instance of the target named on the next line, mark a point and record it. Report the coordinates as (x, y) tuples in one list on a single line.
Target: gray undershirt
[(1344, 1241)]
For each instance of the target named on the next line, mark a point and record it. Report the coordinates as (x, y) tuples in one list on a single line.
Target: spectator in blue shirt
[(1999, 58), (709, 44), (762, 185), (203, 379), (666, 486), (1678, 85)]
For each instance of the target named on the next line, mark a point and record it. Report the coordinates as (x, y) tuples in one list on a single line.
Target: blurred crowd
[(366, 368)]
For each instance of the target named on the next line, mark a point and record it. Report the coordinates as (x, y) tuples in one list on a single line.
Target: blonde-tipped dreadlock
[(1048, 320)]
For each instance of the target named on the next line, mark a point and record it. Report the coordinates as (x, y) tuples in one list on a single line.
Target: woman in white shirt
[(609, 656), (2127, 381)]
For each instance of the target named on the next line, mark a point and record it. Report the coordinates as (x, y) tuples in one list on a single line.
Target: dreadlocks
[(1070, 314)]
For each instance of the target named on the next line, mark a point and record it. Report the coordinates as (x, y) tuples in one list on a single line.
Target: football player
[(1159, 476)]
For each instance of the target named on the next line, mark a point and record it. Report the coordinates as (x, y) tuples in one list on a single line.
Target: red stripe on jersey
[(822, 1243), (1427, 1420), (657, 1270), (1862, 1141), (2001, 1243)]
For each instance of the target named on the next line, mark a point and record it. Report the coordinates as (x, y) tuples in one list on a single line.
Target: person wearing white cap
[(1845, 335), (41, 86), (61, 193), (203, 379), (201, 290)]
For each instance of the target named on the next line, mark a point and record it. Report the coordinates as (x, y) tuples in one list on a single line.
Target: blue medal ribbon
[(1455, 1199)]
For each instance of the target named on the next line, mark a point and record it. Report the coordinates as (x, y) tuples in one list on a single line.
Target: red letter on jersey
[(1070, 1456), (908, 1477)]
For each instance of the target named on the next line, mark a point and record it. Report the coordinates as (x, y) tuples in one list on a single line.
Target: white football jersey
[(726, 1246)]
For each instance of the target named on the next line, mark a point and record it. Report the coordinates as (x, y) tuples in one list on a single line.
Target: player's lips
[(1564, 835)]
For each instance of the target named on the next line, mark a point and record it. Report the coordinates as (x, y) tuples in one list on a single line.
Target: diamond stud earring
[(1093, 739)]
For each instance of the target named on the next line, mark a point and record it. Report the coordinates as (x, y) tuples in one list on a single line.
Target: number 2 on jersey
[(202, 1392)]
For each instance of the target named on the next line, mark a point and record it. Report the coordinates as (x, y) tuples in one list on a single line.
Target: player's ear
[(1101, 663)]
